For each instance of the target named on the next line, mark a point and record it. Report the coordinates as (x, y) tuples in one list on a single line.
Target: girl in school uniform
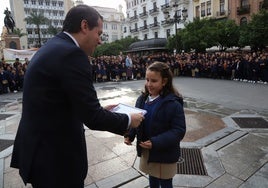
[(159, 135)]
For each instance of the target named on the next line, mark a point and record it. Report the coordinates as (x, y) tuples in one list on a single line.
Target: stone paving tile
[(104, 169), (201, 124), (123, 177), (260, 179), (243, 157), (224, 181), (140, 182)]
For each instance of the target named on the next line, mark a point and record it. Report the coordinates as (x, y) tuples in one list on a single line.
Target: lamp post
[(178, 17), (105, 37)]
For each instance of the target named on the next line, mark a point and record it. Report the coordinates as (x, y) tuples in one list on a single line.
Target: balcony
[(165, 7), (243, 10), (154, 11), (144, 28), (143, 15), (166, 23), (135, 30), (222, 13), (133, 18), (155, 25)]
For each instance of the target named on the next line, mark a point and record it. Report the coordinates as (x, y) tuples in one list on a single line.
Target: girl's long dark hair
[(166, 73)]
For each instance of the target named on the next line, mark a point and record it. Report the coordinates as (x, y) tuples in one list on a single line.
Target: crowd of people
[(12, 75), (240, 66)]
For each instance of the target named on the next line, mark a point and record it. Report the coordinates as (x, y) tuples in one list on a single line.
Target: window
[(154, 5), (155, 35), (125, 29), (244, 3), (197, 11), (168, 33), (222, 6), (243, 21), (209, 8), (26, 2), (105, 26), (40, 2), (155, 21), (33, 2), (203, 9), (29, 31), (145, 36), (144, 10), (54, 13), (114, 27)]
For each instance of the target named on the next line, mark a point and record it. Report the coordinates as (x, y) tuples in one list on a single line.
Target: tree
[(37, 19), (227, 34), (199, 35), (53, 30), (114, 48), (175, 42), (255, 33), (19, 32)]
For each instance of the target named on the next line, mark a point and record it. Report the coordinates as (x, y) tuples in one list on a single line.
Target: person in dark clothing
[(59, 98), (159, 136)]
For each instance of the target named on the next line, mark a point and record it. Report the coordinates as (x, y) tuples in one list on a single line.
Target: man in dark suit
[(58, 99)]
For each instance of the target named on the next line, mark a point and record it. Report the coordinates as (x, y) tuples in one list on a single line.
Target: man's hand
[(110, 107), (127, 141), (136, 119)]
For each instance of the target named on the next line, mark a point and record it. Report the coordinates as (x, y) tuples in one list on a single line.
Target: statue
[(9, 22)]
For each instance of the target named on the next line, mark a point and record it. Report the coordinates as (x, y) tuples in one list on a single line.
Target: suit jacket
[(58, 98)]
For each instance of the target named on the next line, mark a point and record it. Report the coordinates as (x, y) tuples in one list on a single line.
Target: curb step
[(119, 179), (227, 140)]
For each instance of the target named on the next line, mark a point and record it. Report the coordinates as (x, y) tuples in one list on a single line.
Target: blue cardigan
[(167, 129)]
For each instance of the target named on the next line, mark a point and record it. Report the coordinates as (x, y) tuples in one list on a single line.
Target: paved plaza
[(227, 125)]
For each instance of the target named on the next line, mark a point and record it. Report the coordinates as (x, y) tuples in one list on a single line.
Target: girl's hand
[(127, 141), (147, 144)]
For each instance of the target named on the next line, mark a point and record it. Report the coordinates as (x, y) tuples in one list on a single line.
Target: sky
[(102, 3)]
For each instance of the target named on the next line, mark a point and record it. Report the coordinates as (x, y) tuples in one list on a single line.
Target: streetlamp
[(104, 37), (178, 17)]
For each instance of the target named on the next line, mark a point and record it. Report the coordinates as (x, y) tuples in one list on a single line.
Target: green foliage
[(227, 33), (37, 19), (198, 35), (114, 48), (53, 30), (18, 31), (255, 34)]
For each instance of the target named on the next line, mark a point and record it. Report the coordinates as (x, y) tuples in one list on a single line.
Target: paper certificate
[(126, 109)]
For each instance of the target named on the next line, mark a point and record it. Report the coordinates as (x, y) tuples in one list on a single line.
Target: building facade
[(148, 19), (54, 10), (112, 23), (217, 9), (242, 10)]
